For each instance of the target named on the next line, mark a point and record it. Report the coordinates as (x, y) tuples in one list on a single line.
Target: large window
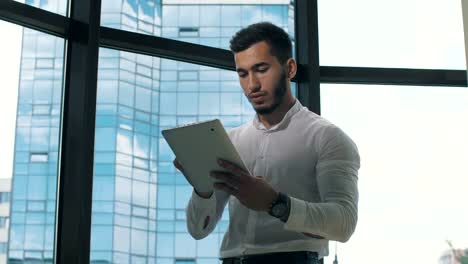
[(413, 147), (38, 99), (200, 22), (139, 198), (412, 139), (138, 96), (391, 33)]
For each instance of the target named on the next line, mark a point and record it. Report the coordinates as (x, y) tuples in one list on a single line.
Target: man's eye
[(242, 75), (263, 69)]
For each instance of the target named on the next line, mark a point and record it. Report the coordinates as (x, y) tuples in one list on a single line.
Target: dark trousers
[(300, 257)]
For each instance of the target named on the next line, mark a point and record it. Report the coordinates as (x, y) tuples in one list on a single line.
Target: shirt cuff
[(297, 215), (201, 203)]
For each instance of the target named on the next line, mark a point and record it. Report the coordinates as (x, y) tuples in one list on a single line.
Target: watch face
[(279, 210)]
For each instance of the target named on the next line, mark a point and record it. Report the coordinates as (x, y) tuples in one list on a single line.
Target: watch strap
[(285, 217)]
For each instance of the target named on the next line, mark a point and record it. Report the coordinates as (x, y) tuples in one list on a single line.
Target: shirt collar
[(287, 117)]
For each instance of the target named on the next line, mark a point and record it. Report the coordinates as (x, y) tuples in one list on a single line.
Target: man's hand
[(179, 167), (253, 192)]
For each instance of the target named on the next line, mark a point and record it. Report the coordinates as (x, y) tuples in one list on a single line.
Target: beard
[(278, 95)]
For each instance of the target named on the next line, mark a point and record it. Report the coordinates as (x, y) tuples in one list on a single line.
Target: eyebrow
[(257, 65)]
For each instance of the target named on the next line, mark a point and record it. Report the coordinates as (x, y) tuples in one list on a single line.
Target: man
[(303, 188)]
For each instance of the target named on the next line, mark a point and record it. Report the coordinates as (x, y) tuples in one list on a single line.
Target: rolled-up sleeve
[(335, 216)]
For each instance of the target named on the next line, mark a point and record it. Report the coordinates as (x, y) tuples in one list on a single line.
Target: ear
[(291, 68)]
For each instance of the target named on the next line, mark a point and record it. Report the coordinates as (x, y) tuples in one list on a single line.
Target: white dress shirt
[(304, 156)]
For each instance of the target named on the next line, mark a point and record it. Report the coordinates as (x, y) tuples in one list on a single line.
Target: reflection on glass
[(137, 16), (55, 6), (136, 188), (426, 34), (195, 23), (216, 32), (413, 145), (139, 197), (31, 233)]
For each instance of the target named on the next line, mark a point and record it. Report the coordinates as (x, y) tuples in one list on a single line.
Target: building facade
[(5, 187), (138, 196)]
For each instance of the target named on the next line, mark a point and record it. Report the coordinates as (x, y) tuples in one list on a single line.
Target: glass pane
[(143, 16), (32, 71), (413, 184), (392, 33), (195, 21), (200, 21), (5, 194), (9, 66), (55, 6), (135, 182)]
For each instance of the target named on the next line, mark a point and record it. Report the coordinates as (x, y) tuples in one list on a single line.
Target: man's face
[(262, 77)]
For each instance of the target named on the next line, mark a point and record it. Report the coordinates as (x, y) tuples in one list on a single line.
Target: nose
[(254, 84)]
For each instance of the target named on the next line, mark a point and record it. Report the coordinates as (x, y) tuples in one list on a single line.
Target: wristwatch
[(280, 207)]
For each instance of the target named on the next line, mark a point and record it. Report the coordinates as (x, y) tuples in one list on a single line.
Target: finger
[(226, 188), (233, 184), (230, 178), (235, 169)]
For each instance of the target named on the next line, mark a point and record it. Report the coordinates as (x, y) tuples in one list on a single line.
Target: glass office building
[(34, 179), (5, 189), (138, 197)]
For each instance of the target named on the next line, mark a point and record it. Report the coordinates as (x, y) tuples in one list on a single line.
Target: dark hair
[(276, 38)]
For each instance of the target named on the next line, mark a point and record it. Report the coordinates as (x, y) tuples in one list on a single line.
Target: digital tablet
[(197, 147)]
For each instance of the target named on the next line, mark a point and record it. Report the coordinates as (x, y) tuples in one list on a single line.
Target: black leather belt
[(301, 257)]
